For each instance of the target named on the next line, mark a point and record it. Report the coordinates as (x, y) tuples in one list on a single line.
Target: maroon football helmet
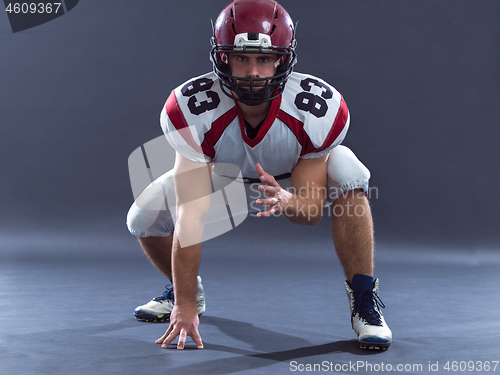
[(253, 26)]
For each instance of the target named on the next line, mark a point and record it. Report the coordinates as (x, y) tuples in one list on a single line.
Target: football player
[(283, 130)]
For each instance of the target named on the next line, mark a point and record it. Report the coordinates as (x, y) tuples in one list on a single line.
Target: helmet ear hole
[(280, 61), (221, 62)]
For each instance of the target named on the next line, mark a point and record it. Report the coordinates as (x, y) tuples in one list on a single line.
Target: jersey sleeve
[(335, 136), (317, 112), (190, 112), (183, 138)]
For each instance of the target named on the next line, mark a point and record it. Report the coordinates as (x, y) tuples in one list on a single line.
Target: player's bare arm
[(193, 189), (242, 112), (303, 204)]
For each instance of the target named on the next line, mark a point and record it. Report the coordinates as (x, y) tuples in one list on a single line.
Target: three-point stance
[(283, 130)]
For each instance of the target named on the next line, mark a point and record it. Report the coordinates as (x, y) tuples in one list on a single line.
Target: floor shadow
[(343, 346), (276, 344), (259, 349), (258, 338), (246, 360), (286, 349)]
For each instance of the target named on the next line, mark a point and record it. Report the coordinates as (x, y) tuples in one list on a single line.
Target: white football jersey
[(204, 125)]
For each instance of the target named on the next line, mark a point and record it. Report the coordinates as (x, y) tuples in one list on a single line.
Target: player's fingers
[(170, 338), (267, 202), (161, 339), (270, 191), (277, 209), (197, 339), (268, 179), (260, 171), (182, 339), (264, 176), (267, 213)]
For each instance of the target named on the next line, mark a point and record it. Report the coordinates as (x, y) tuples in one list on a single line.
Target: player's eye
[(267, 59)]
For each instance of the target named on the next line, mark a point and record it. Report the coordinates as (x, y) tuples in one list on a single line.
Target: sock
[(362, 282)]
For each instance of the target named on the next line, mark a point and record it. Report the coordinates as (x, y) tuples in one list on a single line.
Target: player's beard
[(257, 85)]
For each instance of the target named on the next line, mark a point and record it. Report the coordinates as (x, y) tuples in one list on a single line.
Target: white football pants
[(150, 214)]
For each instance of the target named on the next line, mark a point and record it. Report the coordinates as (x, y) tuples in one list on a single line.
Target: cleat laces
[(364, 306), (168, 294)]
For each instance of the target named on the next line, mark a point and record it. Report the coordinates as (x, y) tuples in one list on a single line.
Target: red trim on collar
[(266, 125)]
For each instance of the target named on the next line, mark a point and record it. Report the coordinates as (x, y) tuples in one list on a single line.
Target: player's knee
[(345, 173), (137, 223), (149, 215), (344, 166), (149, 223)]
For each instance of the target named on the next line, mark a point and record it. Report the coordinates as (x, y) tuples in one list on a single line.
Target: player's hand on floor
[(183, 323), (276, 197)]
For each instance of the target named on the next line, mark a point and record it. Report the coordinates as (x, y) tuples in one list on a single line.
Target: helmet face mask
[(261, 25)]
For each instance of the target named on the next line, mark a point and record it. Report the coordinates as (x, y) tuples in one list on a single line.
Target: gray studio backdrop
[(80, 93)]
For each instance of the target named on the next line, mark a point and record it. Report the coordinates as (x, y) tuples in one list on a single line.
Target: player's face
[(252, 65)]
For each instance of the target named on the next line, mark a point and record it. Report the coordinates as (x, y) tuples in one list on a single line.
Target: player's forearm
[(185, 265), (186, 254), (304, 209)]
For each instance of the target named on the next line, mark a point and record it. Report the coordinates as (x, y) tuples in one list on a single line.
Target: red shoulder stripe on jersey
[(271, 116), (297, 128), (179, 121), (218, 127), (338, 125)]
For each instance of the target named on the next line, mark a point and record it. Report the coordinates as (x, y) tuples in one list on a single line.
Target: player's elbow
[(314, 221), (314, 213), (310, 216), (304, 221)]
